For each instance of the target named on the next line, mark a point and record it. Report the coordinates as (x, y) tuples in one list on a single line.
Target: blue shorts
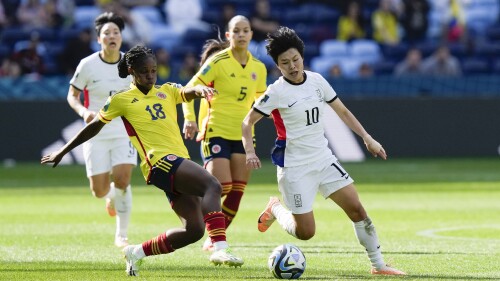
[(218, 147), (163, 175)]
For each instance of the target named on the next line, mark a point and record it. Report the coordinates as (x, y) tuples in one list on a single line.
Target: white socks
[(123, 207), (285, 219), (220, 245), (367, 236), (111, 192), (139, 251)]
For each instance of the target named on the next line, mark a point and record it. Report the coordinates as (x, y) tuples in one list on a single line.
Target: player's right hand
[(54, 157), (190, 129), (253, 161)]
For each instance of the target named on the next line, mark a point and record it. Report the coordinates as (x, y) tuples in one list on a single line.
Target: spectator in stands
[(185, 14), (455, 29), (75, 50), (135, 26), (351, 23), (10, 10), (163, 68), (385, 24), (4, 21), (228, 12), (414, 20), (10, 68), (262, 21), (39, 14), (365, 70), (411, 65), (442, 63), (335, 71), (189, 68), (29, 57)]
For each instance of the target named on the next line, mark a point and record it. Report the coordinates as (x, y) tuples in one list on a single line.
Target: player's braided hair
[(135, 55), (281, 40), (106, 17)]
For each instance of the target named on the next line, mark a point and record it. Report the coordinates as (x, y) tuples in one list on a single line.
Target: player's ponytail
[(122, 67)]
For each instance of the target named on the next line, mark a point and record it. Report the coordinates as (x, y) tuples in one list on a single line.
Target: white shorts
[(101, 155), (299, 185)]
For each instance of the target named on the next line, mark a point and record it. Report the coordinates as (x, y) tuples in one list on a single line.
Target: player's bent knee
[(213, 185), (195, 232), (305, 234)]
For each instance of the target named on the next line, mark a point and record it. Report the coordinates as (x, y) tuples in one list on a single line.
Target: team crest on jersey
[(264, 99), (161, 95), (254, 76), (205, 70), (216, 149), (106, 106), (171, 157)]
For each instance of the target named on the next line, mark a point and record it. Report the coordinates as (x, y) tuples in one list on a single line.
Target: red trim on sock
[(215, 225), (157, 246)]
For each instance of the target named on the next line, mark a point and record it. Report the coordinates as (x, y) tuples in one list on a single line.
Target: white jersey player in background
[(109, 157), (305, 164)]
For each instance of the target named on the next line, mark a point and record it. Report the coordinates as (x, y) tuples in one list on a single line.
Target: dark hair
[(213, 46), (131, 58), (281, 40), (106, 17)]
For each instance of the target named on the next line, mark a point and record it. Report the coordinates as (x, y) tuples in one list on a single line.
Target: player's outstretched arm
[(198, 91), (84, 135), (252, 160), (374, 147)]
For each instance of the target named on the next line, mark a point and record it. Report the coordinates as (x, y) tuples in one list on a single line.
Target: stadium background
[(418, 116)]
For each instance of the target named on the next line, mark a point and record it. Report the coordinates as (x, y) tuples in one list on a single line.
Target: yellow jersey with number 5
[(237, 85), (150, 121)]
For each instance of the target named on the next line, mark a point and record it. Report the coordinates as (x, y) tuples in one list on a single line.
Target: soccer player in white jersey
[(109, 157), (305, 164)]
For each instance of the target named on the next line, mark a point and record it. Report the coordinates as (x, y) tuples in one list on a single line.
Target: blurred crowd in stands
[(344, 39)]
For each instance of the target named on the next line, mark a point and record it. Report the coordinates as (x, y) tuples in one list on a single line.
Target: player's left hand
[(375, 148), (54, 157), (206, 92), (190, 129)]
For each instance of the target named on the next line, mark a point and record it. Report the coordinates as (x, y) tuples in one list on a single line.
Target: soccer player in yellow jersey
[(239, 79), (150, 117)]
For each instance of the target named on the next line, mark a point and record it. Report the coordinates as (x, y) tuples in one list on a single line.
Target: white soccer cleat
[(224, 256), (121, 241), (131, 260), (266, 218), (386, 270), (207, 245)]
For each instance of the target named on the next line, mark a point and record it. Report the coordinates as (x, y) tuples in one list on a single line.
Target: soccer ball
[(287, 262)]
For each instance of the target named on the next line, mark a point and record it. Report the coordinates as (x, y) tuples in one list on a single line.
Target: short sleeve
[(267, 102), (173, 90), (262, 82), (110, 110), (80, 78), (205, 75), (330, 94)]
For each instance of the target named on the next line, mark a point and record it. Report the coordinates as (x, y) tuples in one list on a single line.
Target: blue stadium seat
[(333, 48), (475, 66), (322, 64), (84, 16), (365, 50), (350, 67), (150, 13)]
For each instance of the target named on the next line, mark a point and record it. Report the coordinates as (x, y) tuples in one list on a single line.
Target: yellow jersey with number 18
[(237, 85), (150, 121)]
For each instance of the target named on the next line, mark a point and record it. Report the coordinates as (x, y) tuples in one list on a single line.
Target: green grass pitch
[(437, 219)]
